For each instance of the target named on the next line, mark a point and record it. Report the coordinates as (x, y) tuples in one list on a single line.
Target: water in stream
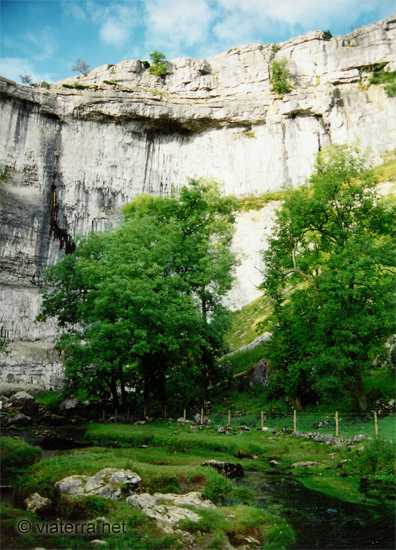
[(321, 522)]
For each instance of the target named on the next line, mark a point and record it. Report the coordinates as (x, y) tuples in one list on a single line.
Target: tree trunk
[(122, 384), (113, 389), (362, 399)]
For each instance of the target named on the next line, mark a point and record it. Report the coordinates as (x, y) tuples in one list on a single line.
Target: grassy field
[(168, 458)]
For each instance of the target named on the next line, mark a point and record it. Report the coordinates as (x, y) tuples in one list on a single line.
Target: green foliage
[(276, 48), (326, 35), (75, 86), (381, 76), (50, 399), (333, 244), (110, 83), (280, 77), (378, 457), (16, 454), (158, 67), (83, 508), (147, 296), (218, 487)]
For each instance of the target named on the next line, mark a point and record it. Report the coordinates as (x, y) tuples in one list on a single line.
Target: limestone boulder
[(37, 504), (168, 509), (20, 398), (110, 483)]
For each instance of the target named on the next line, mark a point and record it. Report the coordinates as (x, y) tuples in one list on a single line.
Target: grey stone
[(110, 483), (168, 509), (205, 420), (304, 464), (359, 438), (70, 404), (17, 420), (20, 398), (36, 503), (260, 374)]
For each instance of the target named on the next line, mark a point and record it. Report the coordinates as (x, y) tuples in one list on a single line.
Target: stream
[(320, 521)]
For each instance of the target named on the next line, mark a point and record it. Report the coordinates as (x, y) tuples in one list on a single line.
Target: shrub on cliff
[(157, 67), (280, 77)]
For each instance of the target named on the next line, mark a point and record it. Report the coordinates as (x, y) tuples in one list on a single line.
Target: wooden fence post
[(336, 419), (229, 418), (295, 420), (201, 417), (184, 415), (262, 420), (376, 423)]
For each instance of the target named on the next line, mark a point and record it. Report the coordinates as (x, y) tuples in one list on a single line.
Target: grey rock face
[(75, 157)]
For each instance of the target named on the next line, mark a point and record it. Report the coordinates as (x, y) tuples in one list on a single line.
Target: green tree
[(330, 273), (140, 304), (280, 77), (158, 67)]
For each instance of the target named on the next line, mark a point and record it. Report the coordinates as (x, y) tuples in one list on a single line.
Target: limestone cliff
[(77, 150)]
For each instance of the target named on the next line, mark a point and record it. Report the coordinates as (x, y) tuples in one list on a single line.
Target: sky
[(44, 38)]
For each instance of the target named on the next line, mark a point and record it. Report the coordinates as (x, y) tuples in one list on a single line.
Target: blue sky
[(43, 38)]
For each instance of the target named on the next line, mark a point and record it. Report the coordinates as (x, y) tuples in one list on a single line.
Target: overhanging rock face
[(76, 155)]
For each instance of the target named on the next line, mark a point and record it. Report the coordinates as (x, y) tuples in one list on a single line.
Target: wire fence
[(337, 424)]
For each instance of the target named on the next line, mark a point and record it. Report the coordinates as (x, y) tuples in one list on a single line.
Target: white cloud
[(13, 67), (44, 43), (113, 32), (176, 25), (116, 21)]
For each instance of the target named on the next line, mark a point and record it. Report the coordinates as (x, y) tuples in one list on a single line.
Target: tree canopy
[(140, 304), (331, 276)]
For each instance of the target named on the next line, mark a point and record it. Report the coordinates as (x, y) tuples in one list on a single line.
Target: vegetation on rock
[(280, 77), (158, 67)]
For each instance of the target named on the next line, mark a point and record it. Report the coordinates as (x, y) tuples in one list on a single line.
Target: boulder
[(359, 438), (70, 404), (260, 374), (36, 503), (328, 438), (229, 469), (20, 398), (167, 509), (17, 420), (205, 421), (4, 399), (304, 464), (110, 483)]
